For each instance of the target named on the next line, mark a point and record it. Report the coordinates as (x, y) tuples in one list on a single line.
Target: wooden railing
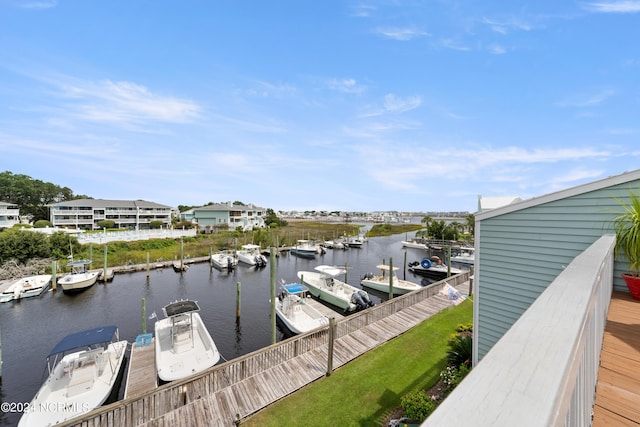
[(543, 371), (157, 402)]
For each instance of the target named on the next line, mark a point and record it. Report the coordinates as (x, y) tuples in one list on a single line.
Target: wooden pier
[(141, 375), (227, 393)]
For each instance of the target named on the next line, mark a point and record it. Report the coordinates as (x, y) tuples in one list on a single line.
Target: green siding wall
[(520, 253)]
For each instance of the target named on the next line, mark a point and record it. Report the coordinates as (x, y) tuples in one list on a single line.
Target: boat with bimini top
[(84, 371), (80, 278)]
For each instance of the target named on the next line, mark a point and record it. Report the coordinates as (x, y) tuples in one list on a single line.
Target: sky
[(420, 105)]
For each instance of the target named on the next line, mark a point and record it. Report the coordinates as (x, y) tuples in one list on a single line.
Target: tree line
[(33, 195)]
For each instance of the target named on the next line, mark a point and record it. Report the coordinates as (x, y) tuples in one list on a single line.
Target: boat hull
[(73, 283), (400, 287), (223, 261)]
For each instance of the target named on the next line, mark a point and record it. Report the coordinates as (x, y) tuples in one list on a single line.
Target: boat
[(466, 255), (323, 284), (433, 267), (84, 371), (183, 345), (224, 261), (304, 248), (415, 244), (380, 282), (79, 279), (250, 254), (26, 287), (354, 242), (295, 312)]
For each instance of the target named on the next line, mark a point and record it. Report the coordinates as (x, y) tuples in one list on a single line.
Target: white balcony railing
[(543, 371)]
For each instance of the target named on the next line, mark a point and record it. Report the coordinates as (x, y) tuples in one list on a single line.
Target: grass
[(365, 391)]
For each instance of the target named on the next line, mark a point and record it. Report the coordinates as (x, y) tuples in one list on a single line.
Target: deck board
[(142, 375), (618, 388)]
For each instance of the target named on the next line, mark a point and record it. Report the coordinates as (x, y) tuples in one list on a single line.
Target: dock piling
[(272, 266), (54, 264), (237, 301), (144, 316), (390, 278)]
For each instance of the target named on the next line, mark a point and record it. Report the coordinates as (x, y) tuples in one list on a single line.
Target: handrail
[(157, 402), (543, 371)]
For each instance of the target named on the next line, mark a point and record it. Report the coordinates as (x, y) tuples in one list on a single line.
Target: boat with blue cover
[(294, 311)]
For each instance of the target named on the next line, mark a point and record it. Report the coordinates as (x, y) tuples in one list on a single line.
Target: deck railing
[(543, 371), (157, 402)]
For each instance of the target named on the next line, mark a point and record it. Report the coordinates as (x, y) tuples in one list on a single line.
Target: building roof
[(103, 203), (228, 207), (488, 203), (562, 194)]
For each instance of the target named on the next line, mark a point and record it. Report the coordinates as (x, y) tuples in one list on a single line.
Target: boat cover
[(180, 307), (85, 339), (295, 288)]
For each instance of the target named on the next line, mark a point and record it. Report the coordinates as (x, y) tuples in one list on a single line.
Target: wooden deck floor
[(618, 389), (141, 376)]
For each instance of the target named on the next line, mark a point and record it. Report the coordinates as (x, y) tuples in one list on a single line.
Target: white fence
[(132, 235), (543, 371)]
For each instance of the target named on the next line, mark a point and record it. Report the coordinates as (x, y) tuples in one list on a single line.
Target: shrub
[(417, 405), (460, 350), (451, 376)]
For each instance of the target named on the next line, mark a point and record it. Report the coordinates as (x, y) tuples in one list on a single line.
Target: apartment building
[(85, 214)]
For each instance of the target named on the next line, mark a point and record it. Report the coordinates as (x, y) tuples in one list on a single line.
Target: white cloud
[(614, 7), (454, 44), (506, 26), (583, 101), (497, 49), (402, 34), (346, 86), (396, 104)]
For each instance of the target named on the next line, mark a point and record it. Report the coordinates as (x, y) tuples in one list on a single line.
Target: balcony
[(572, 359)]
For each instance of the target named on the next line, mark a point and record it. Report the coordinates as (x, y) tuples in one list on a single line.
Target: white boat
[(433, 267), (323, 284), (466, 255), (84, 371), (415, 244), (354, 241), (224, 261), (250, 254), (183, 345), (380, 282), (304, 248), (294, 311), (79, 279), (26, 287)]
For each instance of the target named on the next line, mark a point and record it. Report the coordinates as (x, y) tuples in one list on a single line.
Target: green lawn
[(365, 391)]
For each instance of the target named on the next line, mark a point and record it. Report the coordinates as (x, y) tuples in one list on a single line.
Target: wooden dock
[(141, 375), (618, 387), (227, 393)]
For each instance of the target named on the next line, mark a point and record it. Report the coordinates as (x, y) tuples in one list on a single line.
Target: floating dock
[(141, 376)]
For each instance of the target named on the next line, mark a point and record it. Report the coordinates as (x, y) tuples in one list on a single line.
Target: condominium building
[(227, 214), (9, 214), (85, 214)]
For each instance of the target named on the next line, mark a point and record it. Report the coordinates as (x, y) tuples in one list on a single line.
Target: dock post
[(144, 316), (404, 266), (272, 265), (104, 272), (332, 337), (346, 279), (390, 279), (210, 258), (148, 267), (237, 301), (91, 251), (53, 275), (181, 255)]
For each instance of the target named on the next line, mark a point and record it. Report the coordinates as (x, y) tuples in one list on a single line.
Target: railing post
[(332, 334)]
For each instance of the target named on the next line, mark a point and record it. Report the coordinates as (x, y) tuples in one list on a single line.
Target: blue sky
[(319, 105)]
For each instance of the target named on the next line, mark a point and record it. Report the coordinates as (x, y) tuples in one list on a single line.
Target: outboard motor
[(366, 299), (367, 276), (356, 299), (229, 264)]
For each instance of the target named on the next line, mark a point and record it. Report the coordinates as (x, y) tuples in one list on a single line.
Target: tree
[(22, 245), (156, 224), (106, 223), (272, 219), (62, 245), (471, 223)]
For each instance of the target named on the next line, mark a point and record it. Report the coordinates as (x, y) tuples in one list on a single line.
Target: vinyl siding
[(520, 252)]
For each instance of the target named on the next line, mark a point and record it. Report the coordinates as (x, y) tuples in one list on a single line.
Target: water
[(31, 328)]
